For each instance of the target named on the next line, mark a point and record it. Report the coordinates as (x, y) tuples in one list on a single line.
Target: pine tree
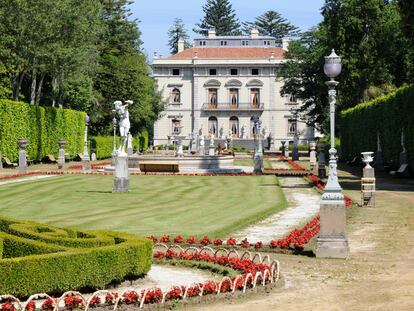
[(220, 15), (271, 23), (176, 32)]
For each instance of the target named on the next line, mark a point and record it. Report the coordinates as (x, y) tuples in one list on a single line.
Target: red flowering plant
[(110, 299), (191, 240), (258, 245), (193, 291), (31, 306), (48, 304), (178, 239), (131, 297), (231, 241), (165, 239), (174, 294), (8, 306), (153, 295), (95, 301), (245, 243), (210, 287), (218, 242), (205, 241), (152, 238), (73, 302)]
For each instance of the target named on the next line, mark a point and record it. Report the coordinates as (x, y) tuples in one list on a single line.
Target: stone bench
[(159, 166)]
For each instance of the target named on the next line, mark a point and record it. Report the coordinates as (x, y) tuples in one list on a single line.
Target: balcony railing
[(232, 107)]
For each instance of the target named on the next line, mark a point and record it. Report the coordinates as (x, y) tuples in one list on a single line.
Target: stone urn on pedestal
[(368, 183), (61, 154), (312, 157), (22, 155)]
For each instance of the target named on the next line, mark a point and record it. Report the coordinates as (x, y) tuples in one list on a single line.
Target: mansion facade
[(219, 85)]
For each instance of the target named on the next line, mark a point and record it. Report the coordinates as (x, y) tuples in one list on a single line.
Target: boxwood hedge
[(37, 258), (42, 126), (387, 116)]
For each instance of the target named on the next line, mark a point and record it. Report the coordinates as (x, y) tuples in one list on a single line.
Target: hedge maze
[(38, 258)]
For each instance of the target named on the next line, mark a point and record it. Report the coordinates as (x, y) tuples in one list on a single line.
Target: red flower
[(191, 240), (48, 304), (258, 245), (73, 302), (178, 239), (111, 299), (131, 297), (245, 243), (8, 306), (205, 241), (95, 301), (218, 242), (31, 306), (165, 239), (231, 241)]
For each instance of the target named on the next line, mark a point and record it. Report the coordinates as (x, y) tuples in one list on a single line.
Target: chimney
[(254, 33), (181, 45), (285, 44), (212, 33)]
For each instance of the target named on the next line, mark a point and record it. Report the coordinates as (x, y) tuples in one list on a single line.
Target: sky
[(156, 16)]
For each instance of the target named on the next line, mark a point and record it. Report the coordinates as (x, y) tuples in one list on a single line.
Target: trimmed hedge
[(387, 115), (104, 145), (42, 126), (37, 258)]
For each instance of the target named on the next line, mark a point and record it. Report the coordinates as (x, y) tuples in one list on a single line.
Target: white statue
[(221, 132), (124, 124), (243, 132), (201, 145), (211, 139)]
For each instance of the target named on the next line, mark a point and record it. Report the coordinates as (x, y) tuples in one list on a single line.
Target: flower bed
[(254, 272), (99, 165)]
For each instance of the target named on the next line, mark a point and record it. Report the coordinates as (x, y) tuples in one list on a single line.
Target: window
[(245, 43), (223, 43), (255, 72), (234, 126), (176, 72), (213, 126), (176, 127), (202, 43), (212, 98), (234, 72), (255, 98), (212, 72), (292, 126), (234, 98), (176, 96)]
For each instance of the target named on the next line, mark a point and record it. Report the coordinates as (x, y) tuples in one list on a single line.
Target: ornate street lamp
[(86, 158), (332, 241), (295, 151)]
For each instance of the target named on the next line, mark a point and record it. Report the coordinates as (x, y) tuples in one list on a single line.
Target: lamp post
[(258, 152), (295, 151), (86, 159), (332, 241)]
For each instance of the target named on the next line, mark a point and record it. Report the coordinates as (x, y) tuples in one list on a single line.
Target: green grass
[(184, 205)]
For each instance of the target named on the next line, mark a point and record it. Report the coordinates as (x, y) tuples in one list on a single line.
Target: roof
[(236, 38), (231, 53)]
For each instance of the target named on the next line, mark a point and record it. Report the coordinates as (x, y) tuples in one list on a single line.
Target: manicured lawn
[(156, 204)]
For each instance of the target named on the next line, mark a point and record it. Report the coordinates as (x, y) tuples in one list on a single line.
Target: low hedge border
[(28, 266)]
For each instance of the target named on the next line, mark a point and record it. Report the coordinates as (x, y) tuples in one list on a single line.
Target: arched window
[(176, 96), (234, 126), (253, 129), (234, 98), (292, 99), (213, 126), (176, 127), (292, 127), (255, 97), (212, 98)]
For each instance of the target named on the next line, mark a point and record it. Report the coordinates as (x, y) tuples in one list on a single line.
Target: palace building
[(220, 84)]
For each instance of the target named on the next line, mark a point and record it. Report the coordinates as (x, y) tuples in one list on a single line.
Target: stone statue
[(221, 132), (201, 145), (124, 124), (129, 144), (243, 132)]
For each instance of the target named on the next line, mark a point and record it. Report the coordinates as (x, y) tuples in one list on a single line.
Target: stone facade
[(218, 88)]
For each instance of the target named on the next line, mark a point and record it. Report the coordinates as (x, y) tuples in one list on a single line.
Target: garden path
[(19, 180), (303, 203)]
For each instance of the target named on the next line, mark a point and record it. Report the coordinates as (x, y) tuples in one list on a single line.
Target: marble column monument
[(22, 155)]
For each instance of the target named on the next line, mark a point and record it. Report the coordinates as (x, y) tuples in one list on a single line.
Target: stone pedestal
[(22, 155), (258, 166), (86, 163), (312, 158), (321, 160), (114, 153), (121, 182), (93, 156), (61, 154), (211, 151), (332, 241), (369, 197)]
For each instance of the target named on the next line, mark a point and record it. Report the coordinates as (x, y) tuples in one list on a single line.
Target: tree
[(220, 15), (271, 23), (407, 17), (176, 32), (124, 73), (367, 36)]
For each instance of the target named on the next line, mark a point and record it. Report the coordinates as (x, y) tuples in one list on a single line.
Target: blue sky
[(156, 16)]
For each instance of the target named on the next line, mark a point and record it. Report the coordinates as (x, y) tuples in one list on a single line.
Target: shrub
[(41, 258), (387, 116), (42, 126)]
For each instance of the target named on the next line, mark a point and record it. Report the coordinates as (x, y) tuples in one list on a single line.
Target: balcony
[(231, 107)]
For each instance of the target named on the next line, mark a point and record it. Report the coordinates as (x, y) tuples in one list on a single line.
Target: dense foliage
[(176, 32), (42, 126), (74, 54), (40, 258), (220, 15), (387, 116), (375, 56)]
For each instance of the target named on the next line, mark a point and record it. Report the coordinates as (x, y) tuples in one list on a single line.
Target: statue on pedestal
[(124, 124), (221, 132)]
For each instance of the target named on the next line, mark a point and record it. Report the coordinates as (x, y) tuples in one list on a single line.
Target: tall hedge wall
[(387, 115), (42, 126)]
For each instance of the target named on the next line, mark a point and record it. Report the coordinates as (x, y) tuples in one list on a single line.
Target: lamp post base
[(86, 164)]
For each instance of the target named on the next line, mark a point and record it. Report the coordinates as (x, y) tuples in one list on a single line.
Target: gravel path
[(303, 203)]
